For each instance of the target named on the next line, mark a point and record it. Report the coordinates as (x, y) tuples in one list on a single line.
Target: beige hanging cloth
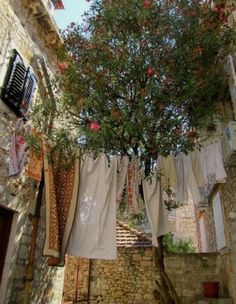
[(166, 167), (61, 187), (199, 167), (156, 210), (94, 230)]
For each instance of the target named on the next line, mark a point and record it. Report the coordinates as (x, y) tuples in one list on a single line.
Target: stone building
[(216, 220), (28, 36)]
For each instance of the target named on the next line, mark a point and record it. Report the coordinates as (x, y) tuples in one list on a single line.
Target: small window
[(219, 221), (6, 218), (19, 86), (203, 232)]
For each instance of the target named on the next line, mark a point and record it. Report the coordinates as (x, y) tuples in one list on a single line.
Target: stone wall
[(183, 223), (206, 212), (229, 254), (130, 278), (20, 30)]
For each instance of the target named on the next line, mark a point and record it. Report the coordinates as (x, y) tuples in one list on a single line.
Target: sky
[(72, 12)]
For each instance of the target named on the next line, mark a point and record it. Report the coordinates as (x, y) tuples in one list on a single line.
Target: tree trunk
[(165, 291)]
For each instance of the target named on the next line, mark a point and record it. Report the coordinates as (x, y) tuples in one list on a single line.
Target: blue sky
[(72, 12)]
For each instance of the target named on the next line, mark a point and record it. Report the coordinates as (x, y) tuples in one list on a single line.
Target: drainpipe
[(29, 277)]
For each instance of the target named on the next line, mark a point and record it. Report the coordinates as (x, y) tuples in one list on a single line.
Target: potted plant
[(211, 289)]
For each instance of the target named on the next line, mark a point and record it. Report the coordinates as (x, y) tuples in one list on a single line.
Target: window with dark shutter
[(28, 94), (19, 86)]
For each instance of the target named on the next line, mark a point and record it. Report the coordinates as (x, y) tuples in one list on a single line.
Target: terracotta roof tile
[(128, 237)]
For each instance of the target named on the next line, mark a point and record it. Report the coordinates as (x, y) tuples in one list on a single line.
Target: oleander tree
[(140, 77)]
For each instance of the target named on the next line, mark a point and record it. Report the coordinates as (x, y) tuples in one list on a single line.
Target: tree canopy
[(140, 77)]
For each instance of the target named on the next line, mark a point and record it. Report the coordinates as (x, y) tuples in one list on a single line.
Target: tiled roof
[(128, 237)]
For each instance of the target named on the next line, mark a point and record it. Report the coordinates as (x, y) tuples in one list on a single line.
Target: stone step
[(214, 301)]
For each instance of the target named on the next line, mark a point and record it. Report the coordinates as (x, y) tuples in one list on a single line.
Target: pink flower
[(150, 72), (147, 3), (63, 67), (94, 126)]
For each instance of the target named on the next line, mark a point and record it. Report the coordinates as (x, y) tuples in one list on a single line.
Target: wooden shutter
[(28, 92), (19, 86)]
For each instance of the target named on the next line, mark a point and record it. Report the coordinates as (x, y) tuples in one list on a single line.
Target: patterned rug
[(61, 187)]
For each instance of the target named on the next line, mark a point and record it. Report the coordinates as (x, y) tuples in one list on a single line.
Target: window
[(219, 221), (6, 218), (203, 234), (19, 86)]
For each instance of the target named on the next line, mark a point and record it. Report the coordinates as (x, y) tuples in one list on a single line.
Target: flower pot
[(211, 289)]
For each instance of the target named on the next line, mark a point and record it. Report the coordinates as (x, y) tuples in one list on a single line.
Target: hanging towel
[(156, 210), (193, 191), (18, 149), (214, 163), (35, 160), (122, 169), (93, 233), (166, 167), (133, 182), (199, 167), (181, 189), (61, 187)]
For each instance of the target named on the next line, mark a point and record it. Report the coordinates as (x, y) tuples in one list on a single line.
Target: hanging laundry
[(35, 160), (193, 190), (18, 149), (156, 210), (199, 167), (61, 187), (166, 167), (132, 188), (214, 163), (93, 233), (122, 169), (181, 189)]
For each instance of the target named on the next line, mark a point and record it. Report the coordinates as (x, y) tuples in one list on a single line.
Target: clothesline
[(81, 204)]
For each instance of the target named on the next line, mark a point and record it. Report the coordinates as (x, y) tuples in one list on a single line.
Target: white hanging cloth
[(186, 187), (230, 69), (214, 164), (191, 181), (181, 190), (93, 233), (156, 210), (199, 167)]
